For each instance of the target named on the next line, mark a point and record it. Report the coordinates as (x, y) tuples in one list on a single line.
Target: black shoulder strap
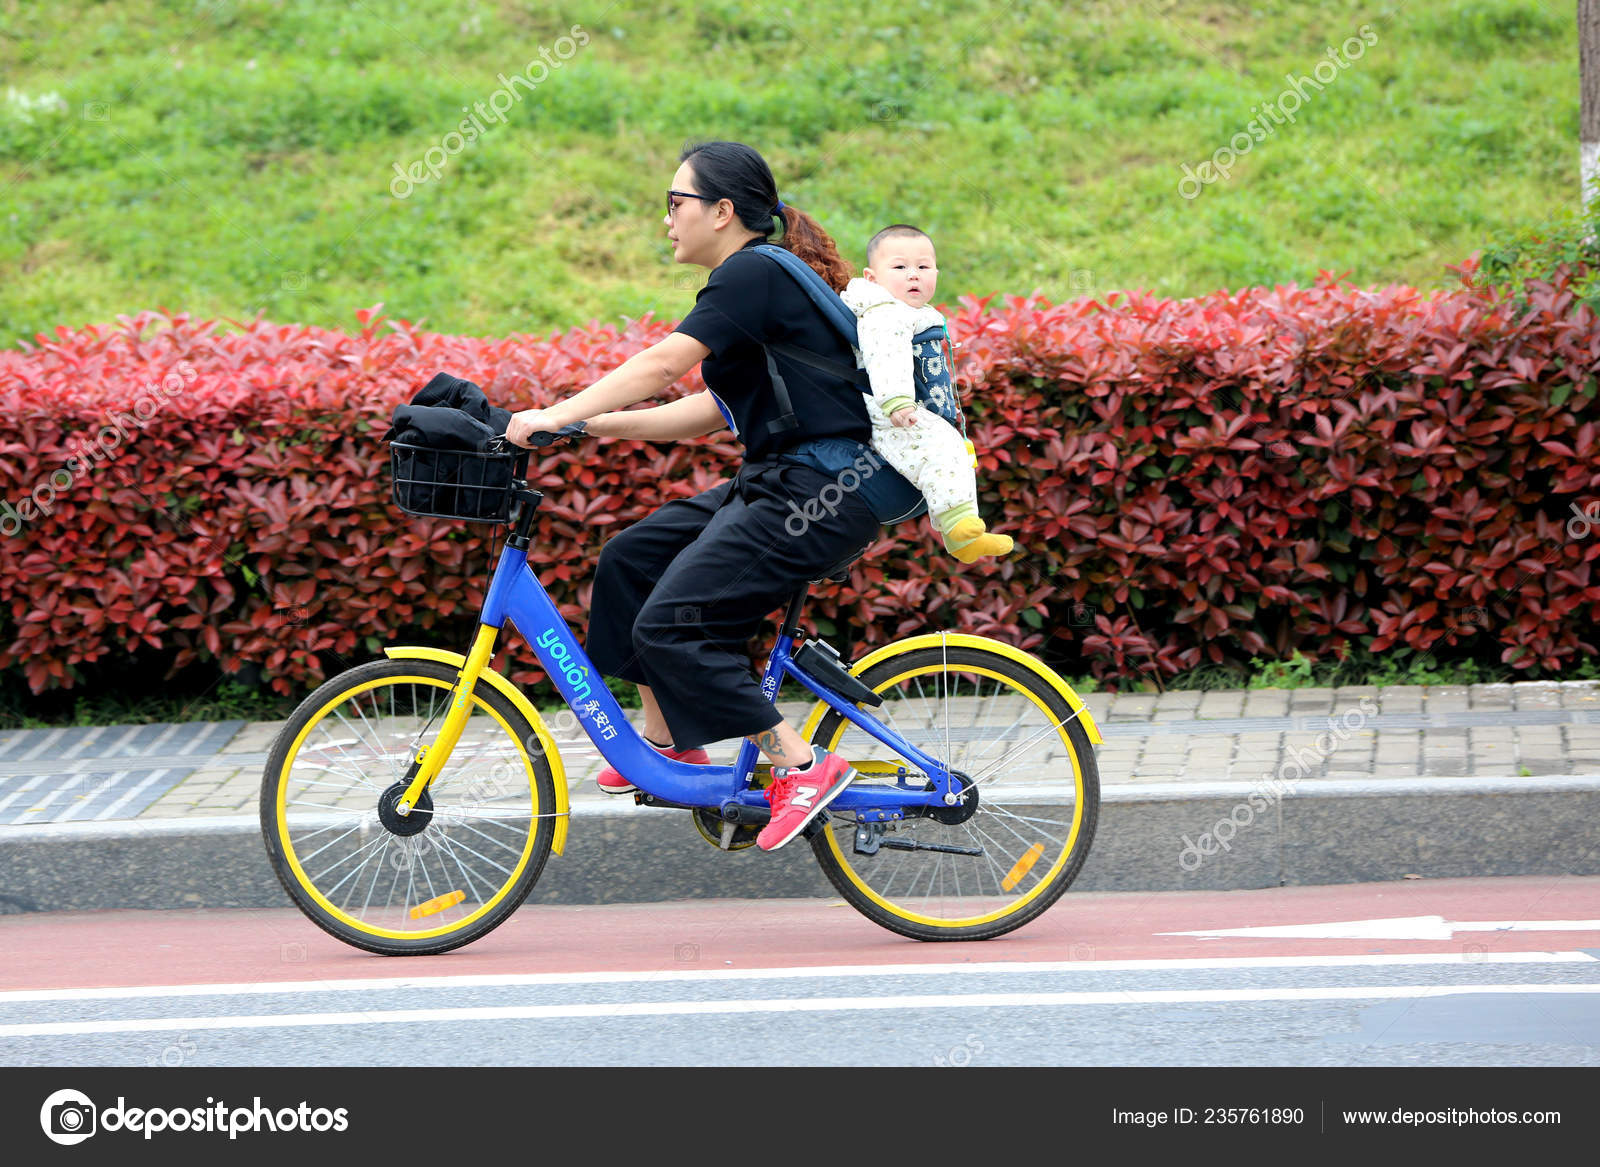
[(833, 368), (786, 419), (838, 316)]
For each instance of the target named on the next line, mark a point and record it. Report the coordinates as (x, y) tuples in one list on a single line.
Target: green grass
[(234, 157)]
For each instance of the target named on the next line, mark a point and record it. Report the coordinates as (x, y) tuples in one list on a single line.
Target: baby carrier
[(891, 497)]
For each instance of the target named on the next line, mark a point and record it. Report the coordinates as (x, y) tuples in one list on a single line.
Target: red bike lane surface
[(179, 947)]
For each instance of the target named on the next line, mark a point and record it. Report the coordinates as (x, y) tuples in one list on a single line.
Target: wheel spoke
[(317, 879), (490, 838), (357, 770), (1035, 736), (306, 784), (362, 743), (377, 738), (324, 806), (1026, 843), (325, 846), (485, 858), (376, 873), (471, 886), (1024, 818), (989, 849), (1000, 739), (944, 645), (1008, 732)]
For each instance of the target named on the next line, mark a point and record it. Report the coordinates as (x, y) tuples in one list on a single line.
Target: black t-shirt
[(749, 301)]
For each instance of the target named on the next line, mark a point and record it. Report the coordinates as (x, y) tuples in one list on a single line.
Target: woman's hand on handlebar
[(530, 421)]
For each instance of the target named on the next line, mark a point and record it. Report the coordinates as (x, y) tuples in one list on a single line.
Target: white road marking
[(801, 972), (393, 1017), (1398, 928)]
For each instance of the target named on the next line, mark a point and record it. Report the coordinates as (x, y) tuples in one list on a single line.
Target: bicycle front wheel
[(979, 870), (459, 864)]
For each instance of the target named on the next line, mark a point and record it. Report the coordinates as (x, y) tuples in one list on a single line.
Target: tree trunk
[(1589, 109)]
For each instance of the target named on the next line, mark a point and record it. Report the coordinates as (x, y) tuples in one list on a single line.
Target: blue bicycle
[(409, 805)]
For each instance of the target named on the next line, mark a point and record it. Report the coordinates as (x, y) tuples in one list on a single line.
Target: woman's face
[(692, 223)]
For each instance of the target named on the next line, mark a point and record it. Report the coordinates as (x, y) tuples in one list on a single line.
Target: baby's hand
[(905, 417)]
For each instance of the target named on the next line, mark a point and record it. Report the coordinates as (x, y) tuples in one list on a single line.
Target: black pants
[(678, 595)]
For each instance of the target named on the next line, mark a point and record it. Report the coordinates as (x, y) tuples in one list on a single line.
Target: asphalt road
[(1500, 972)]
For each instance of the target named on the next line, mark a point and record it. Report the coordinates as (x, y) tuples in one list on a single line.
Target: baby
[(891, 304)]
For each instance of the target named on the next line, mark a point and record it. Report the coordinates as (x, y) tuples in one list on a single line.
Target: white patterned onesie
[(931, 455)]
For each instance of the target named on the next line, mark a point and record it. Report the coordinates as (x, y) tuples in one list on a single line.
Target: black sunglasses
[(683, 194)]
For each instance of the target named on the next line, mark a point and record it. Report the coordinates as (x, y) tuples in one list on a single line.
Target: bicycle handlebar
[(543, 438)]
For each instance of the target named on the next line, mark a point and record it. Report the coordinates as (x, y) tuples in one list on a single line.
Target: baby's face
[(906, 268)]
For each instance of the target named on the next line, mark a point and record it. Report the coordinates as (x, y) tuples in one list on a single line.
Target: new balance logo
[(804, 796)]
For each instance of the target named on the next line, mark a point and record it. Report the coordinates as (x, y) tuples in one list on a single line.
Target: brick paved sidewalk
[(1501, 732)]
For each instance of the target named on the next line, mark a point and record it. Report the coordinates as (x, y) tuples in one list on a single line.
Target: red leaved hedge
[(1189, 481)]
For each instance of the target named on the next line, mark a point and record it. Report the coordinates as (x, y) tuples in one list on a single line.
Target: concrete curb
[(1168, 836)]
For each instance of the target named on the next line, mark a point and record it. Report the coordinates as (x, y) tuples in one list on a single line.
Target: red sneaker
[(614, 783), (799, 795)]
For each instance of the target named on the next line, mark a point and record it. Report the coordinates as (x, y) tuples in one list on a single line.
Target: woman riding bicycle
[(678, 595)]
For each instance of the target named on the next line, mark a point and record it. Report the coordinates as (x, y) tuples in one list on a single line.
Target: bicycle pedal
[(814, 827), (749, 816)]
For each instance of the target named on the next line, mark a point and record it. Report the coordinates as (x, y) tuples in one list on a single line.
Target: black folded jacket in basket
[(444, 456)]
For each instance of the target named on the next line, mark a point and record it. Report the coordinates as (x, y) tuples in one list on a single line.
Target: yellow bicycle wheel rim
[(310, 888), (1039, 888)]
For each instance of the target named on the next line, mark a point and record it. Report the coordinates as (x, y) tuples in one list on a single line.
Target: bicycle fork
[(431, 759)]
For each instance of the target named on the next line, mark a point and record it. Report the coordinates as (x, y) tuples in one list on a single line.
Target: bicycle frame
[(516, 594)]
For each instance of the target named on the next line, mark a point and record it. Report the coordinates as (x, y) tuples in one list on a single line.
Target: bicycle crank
[(723, 835)]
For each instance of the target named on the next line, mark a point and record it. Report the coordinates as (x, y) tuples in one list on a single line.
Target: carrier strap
[(786, 419), (843, 320)]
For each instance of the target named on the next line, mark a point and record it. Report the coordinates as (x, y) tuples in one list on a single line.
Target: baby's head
[(901, 259)]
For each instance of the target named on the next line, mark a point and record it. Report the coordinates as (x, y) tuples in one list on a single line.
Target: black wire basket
[(456, 484)]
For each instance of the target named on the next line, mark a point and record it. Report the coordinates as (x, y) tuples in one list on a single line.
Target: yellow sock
[(969, 540)]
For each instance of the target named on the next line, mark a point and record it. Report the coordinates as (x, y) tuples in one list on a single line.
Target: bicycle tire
[(460, 796), (834, 846)]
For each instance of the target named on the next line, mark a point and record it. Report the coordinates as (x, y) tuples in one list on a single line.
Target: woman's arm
[(638, 378), (688, 417)]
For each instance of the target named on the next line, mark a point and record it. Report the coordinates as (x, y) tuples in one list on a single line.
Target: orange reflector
[(1024, 865), (437, 904)]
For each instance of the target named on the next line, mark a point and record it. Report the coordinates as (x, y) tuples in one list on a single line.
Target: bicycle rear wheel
[(983, 869), (453, 869)]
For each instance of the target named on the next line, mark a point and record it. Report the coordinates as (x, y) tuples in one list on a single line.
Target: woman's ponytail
[(804, 236), (733, 171)]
